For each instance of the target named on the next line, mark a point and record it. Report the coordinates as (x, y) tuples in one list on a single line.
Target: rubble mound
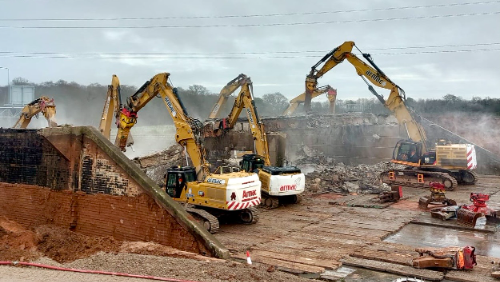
[(342, 178), (155, 165)]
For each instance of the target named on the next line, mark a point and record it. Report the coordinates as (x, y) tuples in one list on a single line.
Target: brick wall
[(125, 218), (81, 181)]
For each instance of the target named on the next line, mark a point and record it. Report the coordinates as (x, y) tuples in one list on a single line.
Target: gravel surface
[(168, 267)]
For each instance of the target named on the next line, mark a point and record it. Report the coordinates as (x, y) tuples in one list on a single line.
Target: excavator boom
[(395, 102), (44, 105), (188, 129), (295, 102), (111, 107), (229, 89)]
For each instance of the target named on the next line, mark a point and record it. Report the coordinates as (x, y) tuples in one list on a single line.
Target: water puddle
[(486, 244)]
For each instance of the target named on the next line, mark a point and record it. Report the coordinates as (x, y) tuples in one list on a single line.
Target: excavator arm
[(372, 73), (42, 104), (245, 100), (188, 132), (295, 102), (112, 108), (229, 89)]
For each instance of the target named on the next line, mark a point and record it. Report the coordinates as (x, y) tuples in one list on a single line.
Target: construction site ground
[(328, 236)]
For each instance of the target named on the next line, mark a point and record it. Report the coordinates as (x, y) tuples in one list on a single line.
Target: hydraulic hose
[(16, 263)]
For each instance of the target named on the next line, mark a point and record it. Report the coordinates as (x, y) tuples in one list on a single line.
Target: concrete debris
[(341, 178), (155, 165)]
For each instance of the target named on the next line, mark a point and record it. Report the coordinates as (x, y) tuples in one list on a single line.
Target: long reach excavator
[(446, 163), (207, 196), (43, 104), (279, 184)]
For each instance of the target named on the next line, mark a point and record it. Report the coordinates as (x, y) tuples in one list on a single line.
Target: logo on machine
[(250, 117), (170, 106), (249, 195), (216, 181), (375, 77), (215, 109), (292, 187)]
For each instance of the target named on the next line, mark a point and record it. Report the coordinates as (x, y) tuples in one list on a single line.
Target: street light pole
[(8, 80), (8, 76)]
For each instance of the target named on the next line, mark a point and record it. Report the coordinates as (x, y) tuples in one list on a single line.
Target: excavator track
[(468, 177), (410, 177), (249, 215), (209, 221), (270, 202)]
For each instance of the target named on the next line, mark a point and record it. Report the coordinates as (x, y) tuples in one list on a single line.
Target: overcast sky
[(273, 42)]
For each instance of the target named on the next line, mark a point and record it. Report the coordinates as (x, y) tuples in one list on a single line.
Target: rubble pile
[(341, 178), (307, 155), (155, 165)]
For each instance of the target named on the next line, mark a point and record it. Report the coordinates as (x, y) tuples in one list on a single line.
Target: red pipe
[(15, 263)]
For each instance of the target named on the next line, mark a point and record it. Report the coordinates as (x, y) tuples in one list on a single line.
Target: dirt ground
[(56, 246)]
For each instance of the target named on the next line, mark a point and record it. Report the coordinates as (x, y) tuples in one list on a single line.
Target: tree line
[(83, 104)]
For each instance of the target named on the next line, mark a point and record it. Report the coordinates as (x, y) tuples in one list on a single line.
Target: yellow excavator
[(111, 110), (226, 91), (295, 102), (279, 184), (43, 104), (207, 196), (446, 163)]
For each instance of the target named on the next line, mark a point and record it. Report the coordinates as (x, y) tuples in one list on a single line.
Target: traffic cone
[(249, 260)]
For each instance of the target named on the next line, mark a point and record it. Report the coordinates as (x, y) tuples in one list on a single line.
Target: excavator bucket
[(50, 115), (467, 217)]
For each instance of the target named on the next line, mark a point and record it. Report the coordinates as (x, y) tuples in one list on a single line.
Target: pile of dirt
[(63, 245), (343, 179), (16, 242)]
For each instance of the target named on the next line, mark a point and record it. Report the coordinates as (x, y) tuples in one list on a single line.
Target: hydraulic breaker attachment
[(436, 197)]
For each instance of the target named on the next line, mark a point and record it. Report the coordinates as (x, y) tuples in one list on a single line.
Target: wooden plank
[(327, 264), (469, 276), (385, 256), (293, 267), (398, 269), (352, 231)]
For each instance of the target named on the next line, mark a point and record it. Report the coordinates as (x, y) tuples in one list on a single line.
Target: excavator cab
[(407, 151), (252, 162), (176, 179)]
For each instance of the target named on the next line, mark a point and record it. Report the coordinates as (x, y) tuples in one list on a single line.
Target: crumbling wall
[(350, 138), (85, 183)]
